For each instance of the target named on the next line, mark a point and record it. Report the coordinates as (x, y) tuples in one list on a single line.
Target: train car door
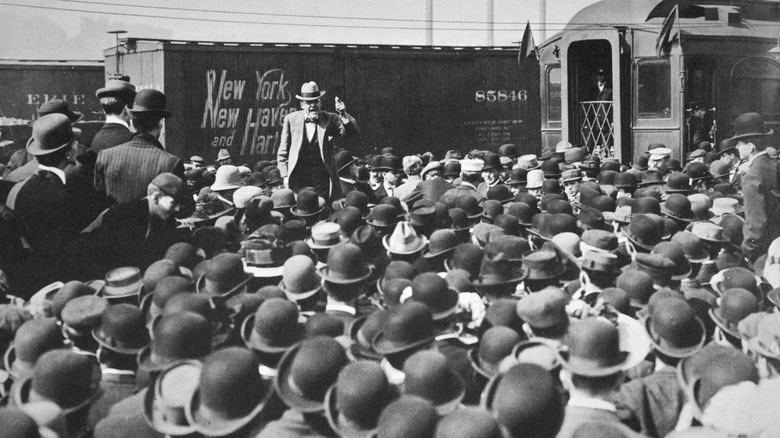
[(596, 76)]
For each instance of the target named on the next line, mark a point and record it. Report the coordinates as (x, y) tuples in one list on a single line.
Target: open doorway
[(591, 118)]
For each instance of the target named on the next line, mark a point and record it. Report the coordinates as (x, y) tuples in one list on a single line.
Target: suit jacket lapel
[(322, 125)]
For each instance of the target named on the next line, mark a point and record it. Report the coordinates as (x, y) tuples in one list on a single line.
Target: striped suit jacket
[(123, 172)]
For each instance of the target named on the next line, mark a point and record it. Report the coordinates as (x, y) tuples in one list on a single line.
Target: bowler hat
[(523, 212), (591, 348), (310, 91), (500, 193), (677, 207), (346, 265), (678, 182), (357, 199), (160, 270), (518, 177), (499, 271), (491, 161), (674, 328), (185, 254), (574, 155), (732, 225), (363, 329), (544, 309), (658, 267), (625, 180), (122, 329), (390, 163), (354, 403), (466, 256), (124, 90), (299, 278), (273, 328), (470, 205), (592, 219), (308, 204), (719, 168), (651, 178), (442, 243), (525, 401), (550, 169), (733, 306), (536, 178), (344, 159), (692, 246), (430, 375), (274, 177), (165, 399), (283, 199), (154, 303), (68, 379), (307, 371), (176, 336), (451, 169), (698, 171), (408, 417), (150, 101), (224, 276), (411, 326), (50, 134), (468, 422), (674, 252), (644, 231), (59, 106), (230, 393), (433, 291), (495, 344), (750, 125), (348, 219), (31, 340), (508, 150), (537, 351), (368, 240), (503, 313), (383, 216)]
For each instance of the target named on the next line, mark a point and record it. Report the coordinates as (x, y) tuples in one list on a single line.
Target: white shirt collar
[(59, 172), (351, 181), (341, 308), (592, 403), (468, 184), (118, 120)]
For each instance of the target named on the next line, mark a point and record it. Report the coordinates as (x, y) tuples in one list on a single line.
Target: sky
[(76, 29)]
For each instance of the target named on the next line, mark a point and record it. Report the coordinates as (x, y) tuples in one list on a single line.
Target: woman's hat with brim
[(165, 399), (50, 134), (150, 101)]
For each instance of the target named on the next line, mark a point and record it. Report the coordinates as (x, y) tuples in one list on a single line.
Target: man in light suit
[(306, 153)]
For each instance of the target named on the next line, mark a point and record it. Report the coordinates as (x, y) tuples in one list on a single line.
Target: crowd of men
[(483, 294)]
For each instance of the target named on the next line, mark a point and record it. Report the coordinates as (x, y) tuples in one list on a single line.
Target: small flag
[(527, 45)]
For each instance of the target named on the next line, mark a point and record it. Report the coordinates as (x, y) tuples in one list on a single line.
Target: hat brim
[(159, 421), (752, 134), (310, 242), (385, 347), (143, 110), (717, 318), (344, 166), (634, 240), (321, 206), (592, 370), (309, 98), (201, 286), (325, 274), (429, 255), (219, 426), (298, 296), (480, 283), (670, 350), (34, 148), (99, 336), (263, 271), (477, 365), (671, 215), (20, 393), (114, 293), (253, 342)]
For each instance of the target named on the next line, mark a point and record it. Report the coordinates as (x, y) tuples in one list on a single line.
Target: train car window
[(755, 85), (654, 89), (554, 94)]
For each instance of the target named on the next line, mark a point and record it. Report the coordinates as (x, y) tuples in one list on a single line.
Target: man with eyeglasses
[(306, 156)]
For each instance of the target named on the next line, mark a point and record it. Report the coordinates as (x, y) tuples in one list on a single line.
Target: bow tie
[(311, 119)]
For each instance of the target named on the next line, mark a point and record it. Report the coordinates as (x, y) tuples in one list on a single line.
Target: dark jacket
[(430, 190), (110, 135), (761, 207), (655, 401), (124, 172)]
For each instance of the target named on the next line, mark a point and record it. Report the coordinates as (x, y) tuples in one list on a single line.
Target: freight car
[(679, 71), (414, 99), (26, 85)]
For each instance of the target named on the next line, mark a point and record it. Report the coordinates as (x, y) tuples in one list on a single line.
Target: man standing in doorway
[(306, 156), (605, 92)]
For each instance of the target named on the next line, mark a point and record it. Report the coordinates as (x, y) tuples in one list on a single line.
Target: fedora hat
[(122, 283), (591, 348), (404, 240), (544, 309), (409, 327), (543, 265), (50, 134), (307, 371), (59, 106), (273, 328), (310, 91), (346, 265), (123, 90), (227, 178), (68, 379), (574, 155), (31, 340), (224, 276), (166, 398), (122, 329), (230, 393), (733, 306), (362, 330), (430, 375), (496, 344), (571, 175), (499, 271), (674, 328), (150, 101), (525, 401), (708, 231), (750, 125), (354, 403), (176, 336), (433, 291)]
